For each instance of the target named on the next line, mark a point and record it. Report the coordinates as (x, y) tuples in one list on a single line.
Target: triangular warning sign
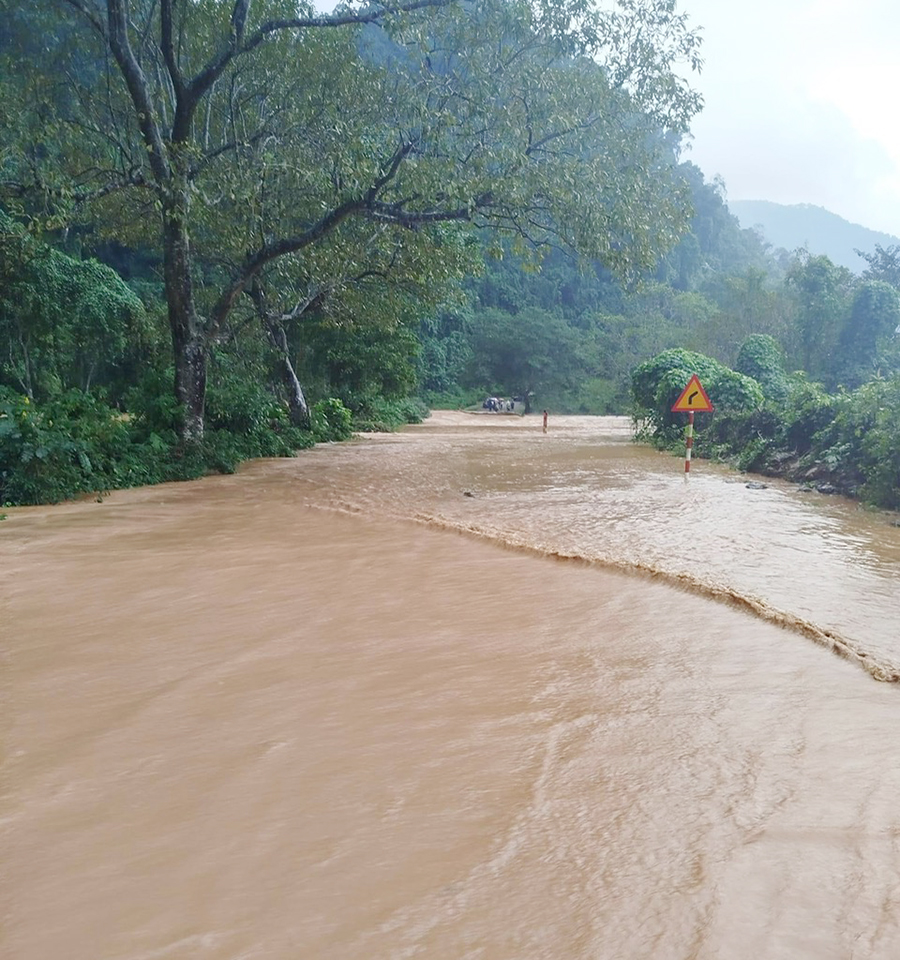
[(693, 398)]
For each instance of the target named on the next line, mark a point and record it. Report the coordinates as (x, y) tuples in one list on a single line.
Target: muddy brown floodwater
[(335, 707)]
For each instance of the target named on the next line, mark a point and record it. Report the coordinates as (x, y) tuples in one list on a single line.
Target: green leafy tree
[(446, 350), (762, 358), (749, 303), (866, 338), (714, 242), (531, 354), (359, 361), (869, 420), (657, 383), (63, 321), (231, 134), (822, 291), (883, 264), (371, 276)]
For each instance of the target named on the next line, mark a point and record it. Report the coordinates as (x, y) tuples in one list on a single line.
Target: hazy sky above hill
[(801, 103)]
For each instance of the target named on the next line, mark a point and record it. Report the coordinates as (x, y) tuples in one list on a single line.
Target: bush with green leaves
[(861, 445), (76, 443), (70, 445), (65, 323), (850, 441), (331, 420), (657, 384), (880, 442), (374, 414), (807, 412)]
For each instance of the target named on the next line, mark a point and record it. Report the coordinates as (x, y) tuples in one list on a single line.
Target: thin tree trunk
[(28, 382), (299, 408), (275, 334)]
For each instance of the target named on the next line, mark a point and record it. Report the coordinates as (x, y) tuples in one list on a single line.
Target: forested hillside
[(570, 331), (790, 226)]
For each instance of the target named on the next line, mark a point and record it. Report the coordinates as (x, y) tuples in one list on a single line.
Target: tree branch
[(137, 88), (342, 20), (272, 251), (394, 213), (168, 48), (16, 188), (402, 152), (237, 46), (201, 83)]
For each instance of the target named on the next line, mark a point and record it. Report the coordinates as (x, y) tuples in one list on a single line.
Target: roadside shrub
[(73, 444), (76, 444), (848, 443), (152, 406), (331, 420), (807, 412), (744, 436), (863, 441), (657, 383), (241, 404), (881, 444), (377, 415)]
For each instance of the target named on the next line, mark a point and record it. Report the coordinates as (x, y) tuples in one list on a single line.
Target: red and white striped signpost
[(693, 398), (688, 442)]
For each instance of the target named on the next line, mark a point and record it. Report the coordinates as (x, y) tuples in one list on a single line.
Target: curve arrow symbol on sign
[(693, 398)]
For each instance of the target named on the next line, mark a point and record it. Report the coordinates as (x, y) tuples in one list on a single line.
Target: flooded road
[(291, 713)]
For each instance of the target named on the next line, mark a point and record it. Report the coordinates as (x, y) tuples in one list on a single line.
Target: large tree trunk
[(190, 383), (189, 341)]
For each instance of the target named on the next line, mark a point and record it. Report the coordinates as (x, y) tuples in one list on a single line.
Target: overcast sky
[(802, 103)]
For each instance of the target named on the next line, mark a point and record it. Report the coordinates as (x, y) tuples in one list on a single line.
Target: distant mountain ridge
[(817, 229)]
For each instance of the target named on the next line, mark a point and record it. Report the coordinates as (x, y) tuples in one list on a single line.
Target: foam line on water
[(845, 647)]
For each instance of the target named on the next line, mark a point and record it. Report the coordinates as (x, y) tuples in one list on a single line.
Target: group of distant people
[(498, 404)]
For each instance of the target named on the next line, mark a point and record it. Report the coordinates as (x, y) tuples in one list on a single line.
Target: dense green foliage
[(657, 384), (66, 322), (762, 358), (76, 443), (571, 331)]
